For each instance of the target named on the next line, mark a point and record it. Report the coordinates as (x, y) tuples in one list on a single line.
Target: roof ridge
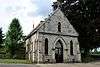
[(40, 24)]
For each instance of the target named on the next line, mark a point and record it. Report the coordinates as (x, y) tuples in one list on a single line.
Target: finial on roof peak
[(56, 5)]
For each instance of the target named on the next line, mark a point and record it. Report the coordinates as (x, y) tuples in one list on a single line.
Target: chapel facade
[(54, 41)]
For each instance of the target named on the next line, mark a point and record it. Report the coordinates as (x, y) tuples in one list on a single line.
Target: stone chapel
[(53, 41)]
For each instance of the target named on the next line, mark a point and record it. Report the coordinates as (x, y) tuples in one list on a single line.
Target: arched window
[(46, 46), (59, 27), (71, 47)]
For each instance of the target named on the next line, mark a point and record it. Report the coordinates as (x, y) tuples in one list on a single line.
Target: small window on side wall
[(59, 27), (71, 47), (46, 46)]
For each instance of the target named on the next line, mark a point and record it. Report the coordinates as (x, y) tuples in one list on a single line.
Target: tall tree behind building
[(83, 14), (1, 37), (14, 39)]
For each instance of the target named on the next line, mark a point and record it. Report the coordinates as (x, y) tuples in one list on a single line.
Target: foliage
[(83, 15), (1, 37), (87, 59), (14, 39), (3, 53), (61, 1)]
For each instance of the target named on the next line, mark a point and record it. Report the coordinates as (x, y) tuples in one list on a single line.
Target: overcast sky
[(28, 12)]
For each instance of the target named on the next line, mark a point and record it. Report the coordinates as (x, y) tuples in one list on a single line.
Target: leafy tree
[(1, 37), (61, 1), (14, 39), (84, 16)]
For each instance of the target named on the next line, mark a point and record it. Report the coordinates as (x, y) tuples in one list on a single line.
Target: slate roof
[(41, 24)]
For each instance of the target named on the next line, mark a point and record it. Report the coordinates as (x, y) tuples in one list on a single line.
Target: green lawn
[(14, 61)]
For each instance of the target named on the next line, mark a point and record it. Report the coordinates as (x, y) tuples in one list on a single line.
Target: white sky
[(28, 12)]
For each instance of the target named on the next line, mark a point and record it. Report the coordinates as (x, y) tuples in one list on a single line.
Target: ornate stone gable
[(51, 24)]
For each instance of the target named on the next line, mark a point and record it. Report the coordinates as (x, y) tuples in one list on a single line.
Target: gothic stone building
[(53, 40)]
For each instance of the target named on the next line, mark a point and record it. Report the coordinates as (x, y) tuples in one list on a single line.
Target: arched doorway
[(59, 52)]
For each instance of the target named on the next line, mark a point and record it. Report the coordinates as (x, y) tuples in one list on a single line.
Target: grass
[(14, 61)]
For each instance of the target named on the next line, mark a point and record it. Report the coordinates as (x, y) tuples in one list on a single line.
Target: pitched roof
[(40, 25), (35, 30)]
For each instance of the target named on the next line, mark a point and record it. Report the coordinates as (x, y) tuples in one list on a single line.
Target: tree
[(14, 38), (83, 15), (61, 1), (1, 37)]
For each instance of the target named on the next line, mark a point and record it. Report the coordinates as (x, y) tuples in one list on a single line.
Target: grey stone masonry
[(60, 48)]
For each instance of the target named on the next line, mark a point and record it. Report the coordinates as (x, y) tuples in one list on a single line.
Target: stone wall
[(66, 45), (51, 24), (49, 30)]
